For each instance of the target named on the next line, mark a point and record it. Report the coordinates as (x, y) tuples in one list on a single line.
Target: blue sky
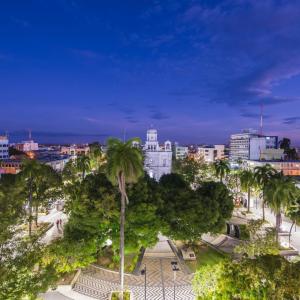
[(82, 70)]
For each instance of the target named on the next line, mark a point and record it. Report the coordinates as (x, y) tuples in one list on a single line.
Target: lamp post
[(175, 269), (144, 272)]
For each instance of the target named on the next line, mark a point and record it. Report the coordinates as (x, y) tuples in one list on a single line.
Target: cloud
[(93, 120), (291, 120), (250, 48)]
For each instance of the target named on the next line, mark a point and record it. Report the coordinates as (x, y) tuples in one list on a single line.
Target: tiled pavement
[(97, 282)]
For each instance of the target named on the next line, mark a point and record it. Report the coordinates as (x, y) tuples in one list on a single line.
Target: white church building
[(158, 159)]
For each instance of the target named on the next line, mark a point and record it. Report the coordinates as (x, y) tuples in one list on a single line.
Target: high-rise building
[(249, 145), (158, 159), (4, 147)]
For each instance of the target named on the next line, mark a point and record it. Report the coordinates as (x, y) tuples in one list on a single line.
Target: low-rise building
[(54, 159), (211, 153), (288, 168), (180, 152), (27, 146), (4, 147), (75, 150)]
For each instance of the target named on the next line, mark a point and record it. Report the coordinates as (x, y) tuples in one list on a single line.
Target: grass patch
[(108, 260), (205, 256), (116, 296)]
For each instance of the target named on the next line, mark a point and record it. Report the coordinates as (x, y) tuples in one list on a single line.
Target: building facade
[(180, 152), (249, 145), (27, 146), (211, 153), (288, 168), (158, 159), (75, 150), (4, 146)]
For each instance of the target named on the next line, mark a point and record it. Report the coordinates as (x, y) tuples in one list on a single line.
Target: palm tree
[(83, 165), (247, 182), (124, 165), (262, 175), (221, 168), (28, 172), (293, 212), (280, 192)]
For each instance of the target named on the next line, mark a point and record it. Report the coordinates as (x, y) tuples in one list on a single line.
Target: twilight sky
[(82, 70)]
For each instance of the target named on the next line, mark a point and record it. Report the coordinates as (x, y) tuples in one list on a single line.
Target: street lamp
[(144, 272), (175, 269)]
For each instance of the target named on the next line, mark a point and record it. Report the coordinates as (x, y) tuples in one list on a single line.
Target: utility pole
[(144, 272), (175, 269), (261, 118)]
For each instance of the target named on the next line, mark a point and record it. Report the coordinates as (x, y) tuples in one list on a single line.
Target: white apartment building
[(4, 147), (249, 145), (211, 153), (180, 152), (158, 160), (27, 146)]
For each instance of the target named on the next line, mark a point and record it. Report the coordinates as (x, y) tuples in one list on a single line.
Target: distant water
[(56, 138)]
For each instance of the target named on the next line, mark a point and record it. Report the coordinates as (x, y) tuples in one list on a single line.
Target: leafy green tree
[(83, 165), (280, 192), (22, 275), (69, 173), (12, 202), (28, 172), (265, 277), (143, 223), (221, 169), (290, 153), (124, 165), (259, 241), (194, 171), (262, 176), (97, 157), (247, 183), (47, 187), (190, 213), (233, 182), (90, 202)]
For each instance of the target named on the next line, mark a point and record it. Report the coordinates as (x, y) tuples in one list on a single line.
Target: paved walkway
[(97, 282), (270, 217), (55, 231)]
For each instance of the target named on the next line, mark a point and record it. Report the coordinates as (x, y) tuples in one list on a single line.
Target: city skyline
[(197, 71)]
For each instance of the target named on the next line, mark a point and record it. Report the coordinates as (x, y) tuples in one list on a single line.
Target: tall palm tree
[(247, 182), (262, 175), (28, 172), (83, 165), (221, 169), (124, 165), (280, 192)]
